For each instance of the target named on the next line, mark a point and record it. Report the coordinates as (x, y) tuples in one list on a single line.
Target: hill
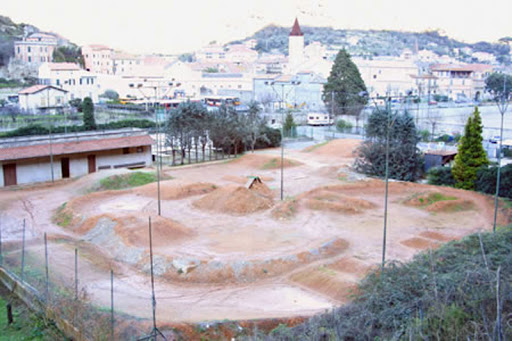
[(10, 32), (372, 43)]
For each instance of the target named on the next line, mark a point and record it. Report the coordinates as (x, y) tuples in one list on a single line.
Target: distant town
[(238, 70)]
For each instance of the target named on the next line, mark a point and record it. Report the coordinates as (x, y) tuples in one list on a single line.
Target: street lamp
[(386, 174), (281, 100), (502, 106), (158, 157)]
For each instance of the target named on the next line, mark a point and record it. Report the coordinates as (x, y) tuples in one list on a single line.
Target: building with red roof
[(25, 160)]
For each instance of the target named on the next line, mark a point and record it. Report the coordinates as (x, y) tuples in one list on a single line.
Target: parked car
[(494, 139)]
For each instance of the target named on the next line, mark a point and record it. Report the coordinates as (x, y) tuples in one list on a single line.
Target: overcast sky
[(171, 26)]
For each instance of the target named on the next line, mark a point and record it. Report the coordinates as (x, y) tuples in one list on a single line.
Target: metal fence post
[(46, 268), (76, 274), (23, 252), (111, 304)]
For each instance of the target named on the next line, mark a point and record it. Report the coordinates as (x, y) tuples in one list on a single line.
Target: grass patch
[(128, 180), (62, 217), (424, 200), (316, 146), (26, 325)]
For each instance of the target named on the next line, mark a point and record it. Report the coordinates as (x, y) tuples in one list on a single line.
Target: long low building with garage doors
[(31, 159)]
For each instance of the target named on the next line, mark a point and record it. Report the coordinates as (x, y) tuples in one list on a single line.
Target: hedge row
[(485, 181)]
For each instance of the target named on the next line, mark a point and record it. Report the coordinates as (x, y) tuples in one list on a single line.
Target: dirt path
[(213, 264)]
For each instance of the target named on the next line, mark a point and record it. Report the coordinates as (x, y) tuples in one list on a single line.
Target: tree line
[(192, 127)]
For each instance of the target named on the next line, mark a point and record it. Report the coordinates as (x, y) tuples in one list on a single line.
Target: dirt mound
[(451, 206), (91, 222), (335, 202), (436, 236), (262, 189), (135, 232), (285, 210), (173, 191), (338, 148), (234, 199), (419, 243), (263, 162), (327, 282), (351, 266), (428, 198)]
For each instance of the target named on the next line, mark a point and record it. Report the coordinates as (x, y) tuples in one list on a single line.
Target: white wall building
[(98, 59), (70, 77), (27, 160), (42, 98)]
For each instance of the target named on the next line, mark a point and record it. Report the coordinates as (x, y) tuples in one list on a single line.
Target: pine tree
[(342, 93), (289, 125), (471, 155), (88, 110), (404, 158)]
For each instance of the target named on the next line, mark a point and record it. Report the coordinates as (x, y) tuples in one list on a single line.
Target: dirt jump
[(227, 247)]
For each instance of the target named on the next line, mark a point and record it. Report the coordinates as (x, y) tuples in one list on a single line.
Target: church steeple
[(296, 32)]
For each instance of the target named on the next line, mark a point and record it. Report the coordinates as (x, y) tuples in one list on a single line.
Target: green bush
[(274, 139), (343, 126), (443, 294), (425, 135), (440, 176), (486, 180)]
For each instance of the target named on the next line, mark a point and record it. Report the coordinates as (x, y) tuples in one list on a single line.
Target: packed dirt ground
[(226, 247)]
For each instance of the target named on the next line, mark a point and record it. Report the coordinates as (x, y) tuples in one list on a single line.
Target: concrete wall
[(39, 170)]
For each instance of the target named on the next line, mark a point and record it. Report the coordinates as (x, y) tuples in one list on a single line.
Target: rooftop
[(36, 88), (296, 32), (39, 146)]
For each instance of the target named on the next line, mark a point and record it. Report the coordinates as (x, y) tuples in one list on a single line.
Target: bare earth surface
[(225, 251)]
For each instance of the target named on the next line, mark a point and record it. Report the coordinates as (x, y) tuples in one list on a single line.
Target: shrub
[(440, 176), (274, 139), (342, 125), (486, 180)]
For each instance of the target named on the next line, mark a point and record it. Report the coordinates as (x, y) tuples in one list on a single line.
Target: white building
[(387, 76), (42, 98), (70, 77), (27, 159)]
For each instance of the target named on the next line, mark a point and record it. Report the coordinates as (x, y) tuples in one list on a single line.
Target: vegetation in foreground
[(447, 294), (26, 325)]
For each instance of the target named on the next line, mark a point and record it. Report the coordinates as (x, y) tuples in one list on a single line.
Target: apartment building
[(36, 48), (98, 59), (70, 77)]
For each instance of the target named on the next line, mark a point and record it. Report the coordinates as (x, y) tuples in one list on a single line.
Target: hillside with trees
[(373, 43), (10, 32)]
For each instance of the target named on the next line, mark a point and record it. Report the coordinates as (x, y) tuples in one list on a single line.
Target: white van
[(319, 119)]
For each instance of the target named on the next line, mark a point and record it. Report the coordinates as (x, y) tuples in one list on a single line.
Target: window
[(239, 86), (126, 150), (29, 59), (140, 149), (19, 50), (28, 49), (58, 82)]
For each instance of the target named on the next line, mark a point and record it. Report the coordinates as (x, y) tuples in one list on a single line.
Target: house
[(438, 158), (42, 98), (461, 81), (98, 59), (70, 77), (33, 159), (387, 76), (36, 48)]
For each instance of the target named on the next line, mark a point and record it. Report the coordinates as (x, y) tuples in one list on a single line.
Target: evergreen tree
[(404, 158), (342, 93), (88, 110), (471, 155), (289, 125)]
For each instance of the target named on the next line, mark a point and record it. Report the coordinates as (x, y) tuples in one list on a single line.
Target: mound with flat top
[(234, 199)]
